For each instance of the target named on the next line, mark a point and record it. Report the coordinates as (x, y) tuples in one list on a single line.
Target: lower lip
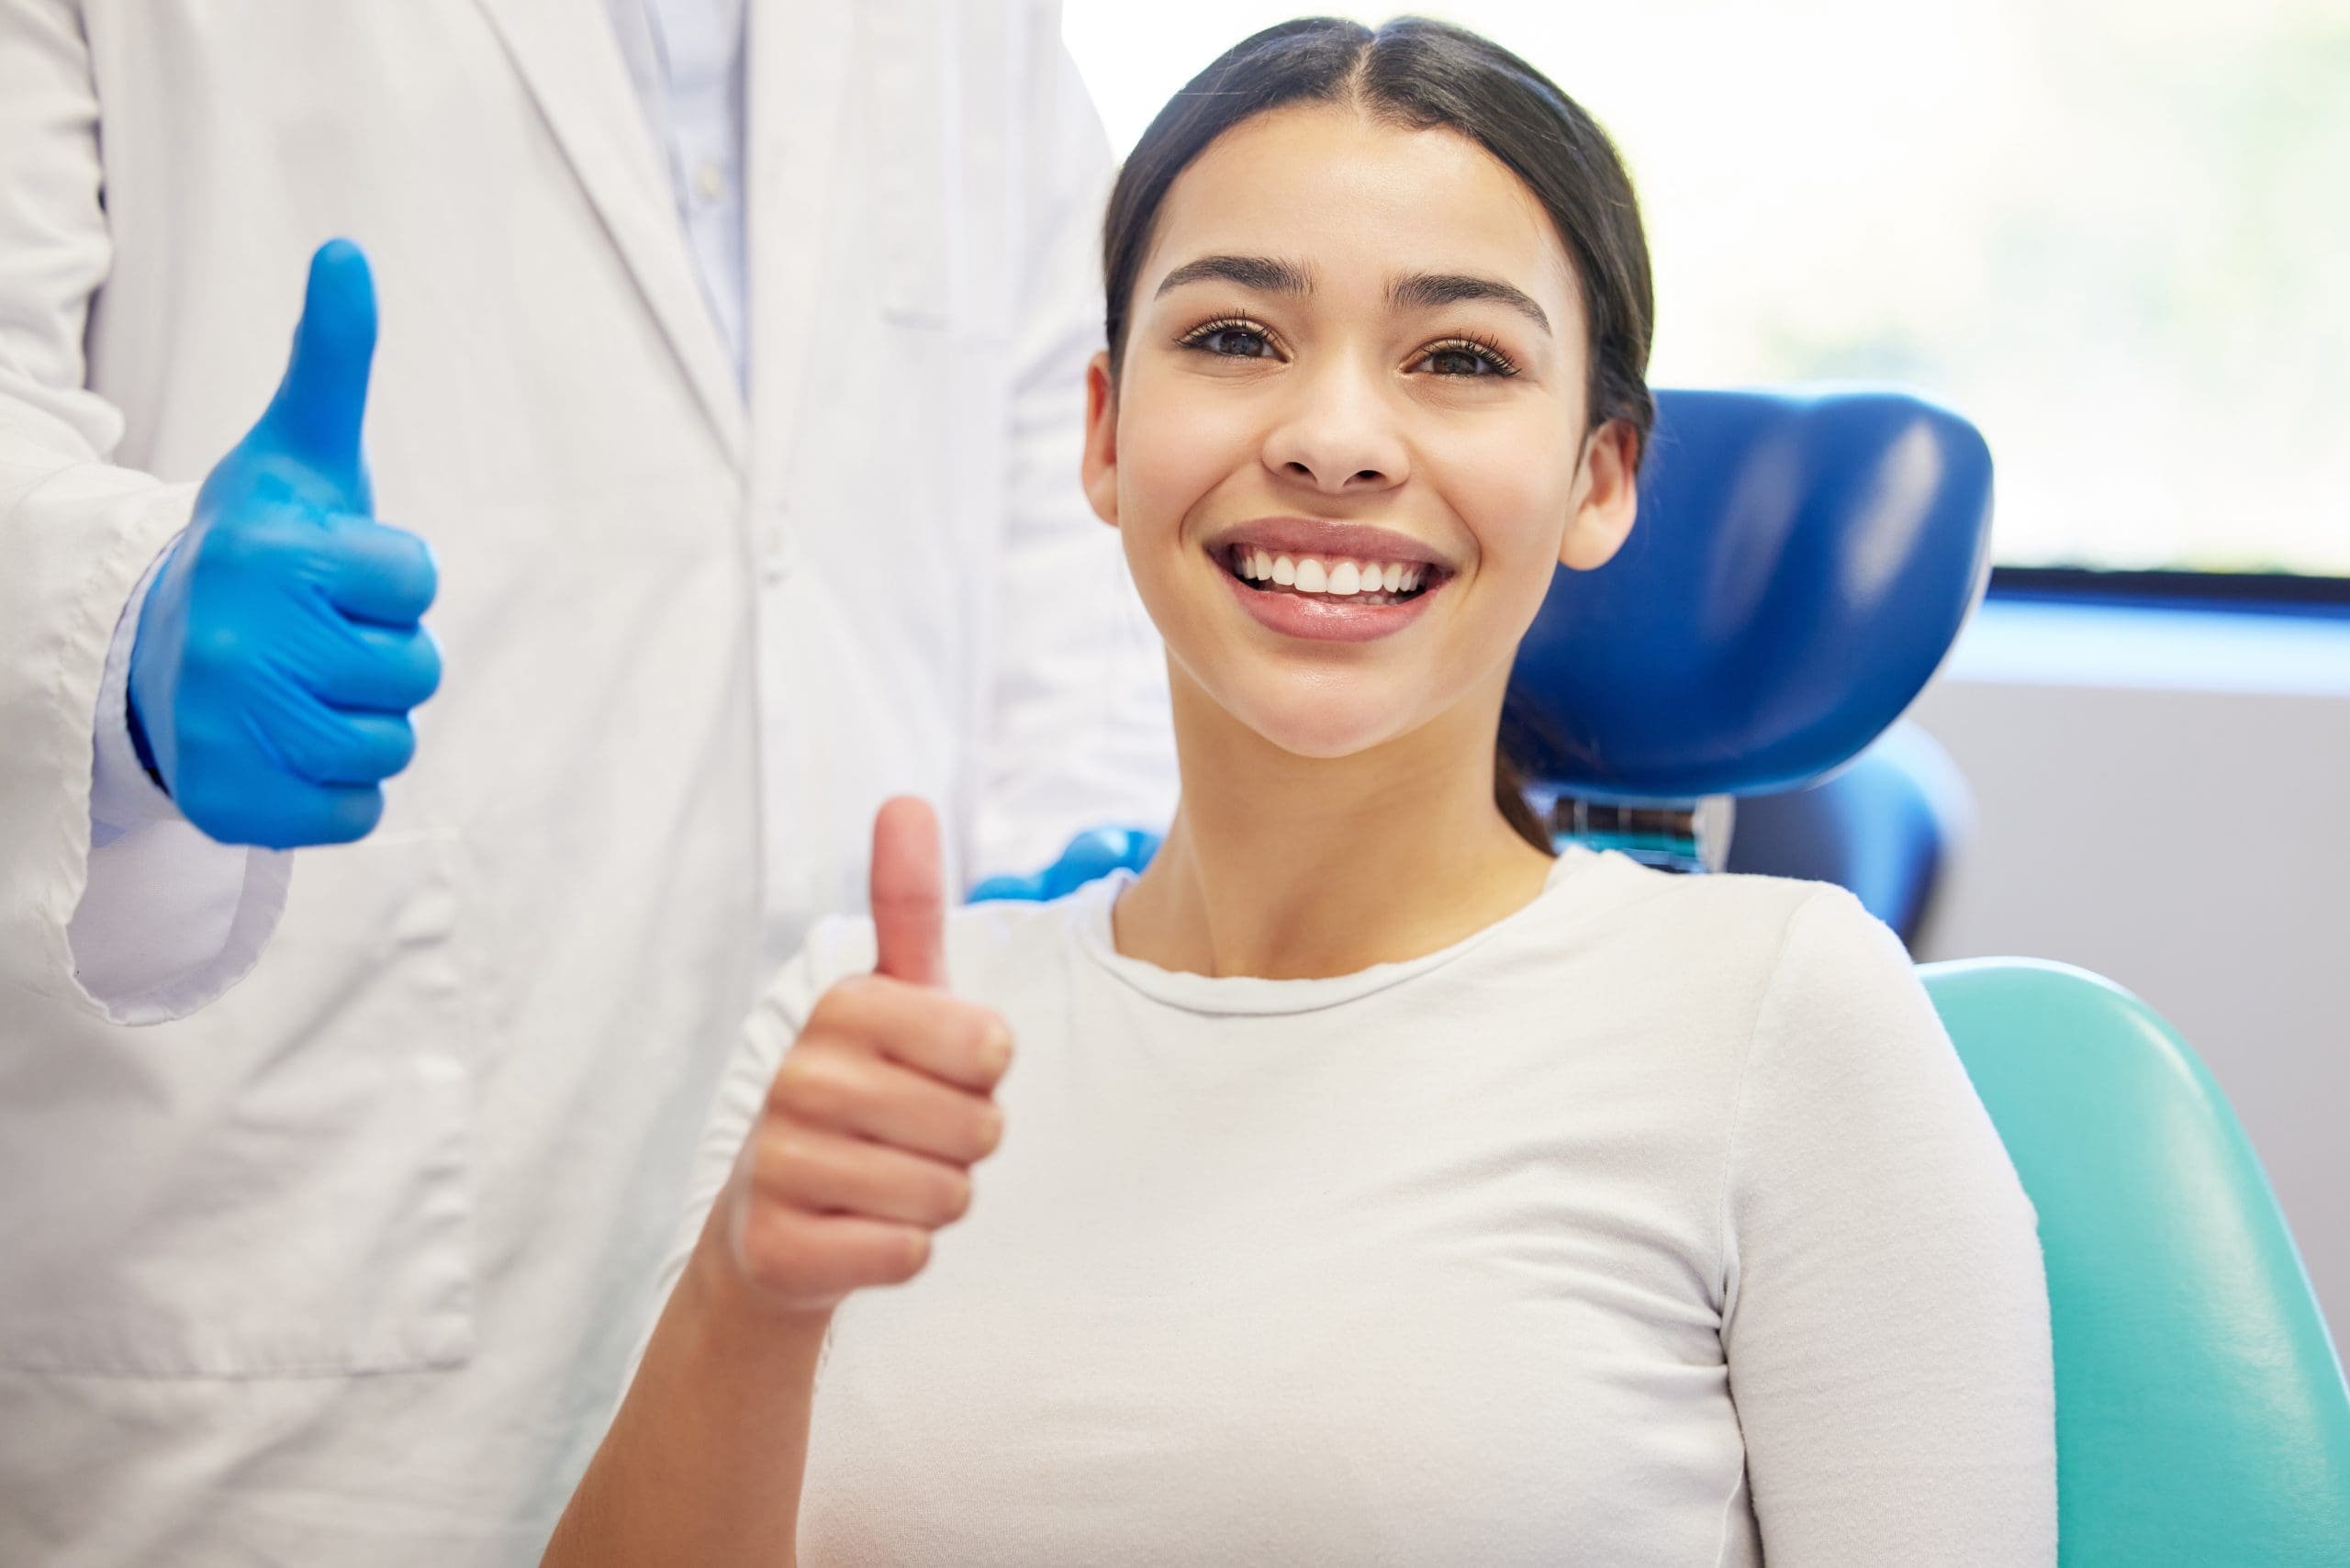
[(1328, 619)]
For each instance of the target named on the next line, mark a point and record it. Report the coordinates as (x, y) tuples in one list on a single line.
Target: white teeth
[(1378, 581)]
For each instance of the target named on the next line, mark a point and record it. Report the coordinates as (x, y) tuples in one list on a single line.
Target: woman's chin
[(1322, 731)]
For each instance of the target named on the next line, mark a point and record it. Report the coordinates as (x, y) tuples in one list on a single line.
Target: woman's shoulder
[(1713, 956), (1716, 914), (1816, 982)]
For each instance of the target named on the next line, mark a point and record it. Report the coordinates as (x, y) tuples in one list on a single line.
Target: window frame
[(2271, 593)]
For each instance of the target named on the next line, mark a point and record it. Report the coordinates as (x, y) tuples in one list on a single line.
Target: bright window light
[(2114, 233)]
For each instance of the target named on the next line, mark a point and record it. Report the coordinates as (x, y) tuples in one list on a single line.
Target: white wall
[(2162, 799)]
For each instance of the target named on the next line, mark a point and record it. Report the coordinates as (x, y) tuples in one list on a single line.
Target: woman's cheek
[(1156, 489), (1183, 451), (1518, 528), (1517, 509)]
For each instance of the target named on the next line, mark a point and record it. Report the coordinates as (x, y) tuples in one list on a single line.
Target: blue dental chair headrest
[(1801, 564)]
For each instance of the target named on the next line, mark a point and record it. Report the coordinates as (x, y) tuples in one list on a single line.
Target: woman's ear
[(1607, 498), (1100, 465)]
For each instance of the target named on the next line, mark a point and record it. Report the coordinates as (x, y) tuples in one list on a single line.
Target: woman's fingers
[(960, 1042), (827, 1172), (851, 1090), (854, 1161), (879, 1109), (807, 1259)]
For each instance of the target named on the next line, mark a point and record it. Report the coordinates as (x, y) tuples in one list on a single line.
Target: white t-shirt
[(1655, 1224)]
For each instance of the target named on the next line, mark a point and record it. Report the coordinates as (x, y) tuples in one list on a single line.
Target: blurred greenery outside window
[(2114, 234)]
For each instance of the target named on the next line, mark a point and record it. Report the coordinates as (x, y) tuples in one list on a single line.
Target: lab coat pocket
[(280, 1186)]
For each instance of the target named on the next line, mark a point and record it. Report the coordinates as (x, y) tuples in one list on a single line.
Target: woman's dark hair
[(1424, 74)]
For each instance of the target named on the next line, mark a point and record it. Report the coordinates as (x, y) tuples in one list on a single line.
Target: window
[(2114, 233)]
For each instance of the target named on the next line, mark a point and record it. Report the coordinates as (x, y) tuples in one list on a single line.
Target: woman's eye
[(1466, 359), (1232, 341)]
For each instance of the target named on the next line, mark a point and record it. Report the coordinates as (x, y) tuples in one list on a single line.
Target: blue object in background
[(280, 647), (1801, 563), (1094, 853), (1882, 827)]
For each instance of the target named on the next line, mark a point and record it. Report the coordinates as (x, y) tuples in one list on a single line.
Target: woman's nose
[(1339, 436)]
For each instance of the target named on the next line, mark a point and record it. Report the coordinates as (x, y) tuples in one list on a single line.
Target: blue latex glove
[(1096, 852), (279, 649)]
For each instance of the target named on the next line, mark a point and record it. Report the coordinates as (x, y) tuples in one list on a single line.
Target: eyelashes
[(1205, 339), (1469, 344), (1203, 336)]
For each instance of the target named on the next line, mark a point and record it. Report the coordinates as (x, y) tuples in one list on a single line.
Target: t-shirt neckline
[(1254, 994)]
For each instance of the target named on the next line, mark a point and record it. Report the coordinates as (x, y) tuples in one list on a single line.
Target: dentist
[(719, 368)]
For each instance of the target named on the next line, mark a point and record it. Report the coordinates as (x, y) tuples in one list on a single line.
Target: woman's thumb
[(908, 893)]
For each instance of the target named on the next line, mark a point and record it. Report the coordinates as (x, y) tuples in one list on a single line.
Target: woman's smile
[(1337, 612), (1332, 581)]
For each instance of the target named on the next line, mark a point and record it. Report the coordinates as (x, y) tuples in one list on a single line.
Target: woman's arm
[(860, 1148), (1885, 1306), (704, 1461)]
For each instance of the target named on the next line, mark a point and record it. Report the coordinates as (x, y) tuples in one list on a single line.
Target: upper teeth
[(1314, 574)]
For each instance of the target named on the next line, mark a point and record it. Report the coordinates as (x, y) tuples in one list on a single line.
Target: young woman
[(1384, 1188)]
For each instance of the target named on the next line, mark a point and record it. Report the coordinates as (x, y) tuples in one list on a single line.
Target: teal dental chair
[(1801, 566)]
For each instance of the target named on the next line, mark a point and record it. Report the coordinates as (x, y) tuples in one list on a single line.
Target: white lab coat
[(343, 1267)]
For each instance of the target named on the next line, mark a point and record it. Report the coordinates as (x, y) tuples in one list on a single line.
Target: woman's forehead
[(1356, 201)]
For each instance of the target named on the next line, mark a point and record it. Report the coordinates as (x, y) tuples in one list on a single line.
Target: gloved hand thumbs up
[(280, 649), (315, 419)]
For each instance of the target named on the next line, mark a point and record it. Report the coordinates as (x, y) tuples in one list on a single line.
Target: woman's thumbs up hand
[(880, 1108)]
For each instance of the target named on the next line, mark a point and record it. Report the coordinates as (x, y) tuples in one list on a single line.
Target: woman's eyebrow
[(1265, 273), (1425, 291)]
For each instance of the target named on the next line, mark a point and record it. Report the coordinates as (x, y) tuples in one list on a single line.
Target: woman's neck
[(1293, 867)]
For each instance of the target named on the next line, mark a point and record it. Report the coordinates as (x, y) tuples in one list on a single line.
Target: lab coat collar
[(575, 73)]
